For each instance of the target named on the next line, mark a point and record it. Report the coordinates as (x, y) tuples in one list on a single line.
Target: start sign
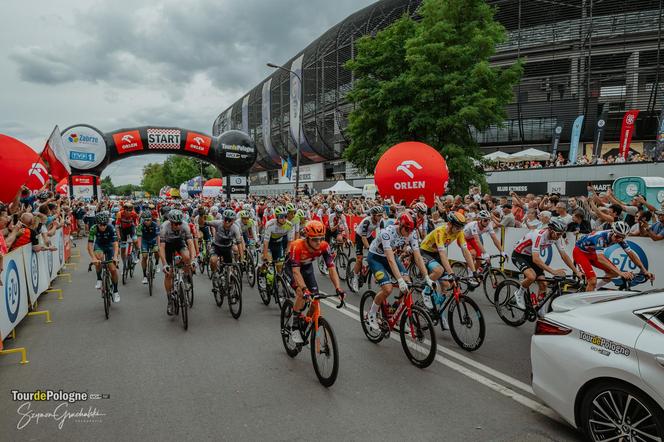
[(410, 170)]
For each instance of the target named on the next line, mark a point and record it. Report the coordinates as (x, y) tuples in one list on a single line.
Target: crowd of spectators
[(582, 160)]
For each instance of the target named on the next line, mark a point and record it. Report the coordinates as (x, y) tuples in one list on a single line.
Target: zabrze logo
[(406, 165), (197, 143), (12, 291), (73, 138), (620, 259), (128, 141), (34, 270)]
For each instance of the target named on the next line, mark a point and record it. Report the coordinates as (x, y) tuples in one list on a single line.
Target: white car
[(598, 361)]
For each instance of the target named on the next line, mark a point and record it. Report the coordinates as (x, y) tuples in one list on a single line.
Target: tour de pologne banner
[(627, 131), (574, 142)]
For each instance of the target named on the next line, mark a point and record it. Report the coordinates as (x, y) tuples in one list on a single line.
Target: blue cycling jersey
[(598, 241)]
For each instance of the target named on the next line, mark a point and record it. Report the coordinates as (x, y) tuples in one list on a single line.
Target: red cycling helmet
[(314, 229), (405, 220)]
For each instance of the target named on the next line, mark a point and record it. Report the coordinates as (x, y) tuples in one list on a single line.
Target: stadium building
[(582, 57)]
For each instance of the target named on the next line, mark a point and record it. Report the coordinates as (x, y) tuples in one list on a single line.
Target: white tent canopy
[(498, 155), (343, 188), (529, 155)]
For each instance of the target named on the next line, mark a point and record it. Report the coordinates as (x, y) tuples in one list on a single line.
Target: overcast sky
[(124, 63)]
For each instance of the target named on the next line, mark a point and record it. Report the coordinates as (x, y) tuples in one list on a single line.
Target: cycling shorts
[(308, 275), (380, 267), (205, 230), (225, 253), (108, 251), (359, 245), (148, 245), (524, 262), (128, 233), (588, 260), (173, 247), (431, 260), (472, 244), (277, 248)]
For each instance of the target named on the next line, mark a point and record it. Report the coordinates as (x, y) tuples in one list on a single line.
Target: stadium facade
[(582, 57)]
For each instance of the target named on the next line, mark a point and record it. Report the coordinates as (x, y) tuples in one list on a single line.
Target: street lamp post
[(301, 128)]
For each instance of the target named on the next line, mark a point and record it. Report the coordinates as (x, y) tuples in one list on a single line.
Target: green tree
[(153, 178), (107, 187), (178, 169), (127, 189), (430, 81)]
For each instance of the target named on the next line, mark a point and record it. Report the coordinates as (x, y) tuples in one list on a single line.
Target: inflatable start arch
[(90, 151)]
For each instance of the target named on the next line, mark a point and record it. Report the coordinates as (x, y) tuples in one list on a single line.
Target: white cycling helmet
[(483, 214), (620, 228)]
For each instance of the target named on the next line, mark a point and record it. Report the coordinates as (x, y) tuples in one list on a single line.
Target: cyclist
[(225, 233), (473, 232), (298, 221), (433, 250), (126, 221), (363, 238), (103, 244), (421, 221), (588, 253), (148, 238), (277, 236), (247, 227), (385, 265), (299, 267), (338, 226), (175, 237), (528, 259)]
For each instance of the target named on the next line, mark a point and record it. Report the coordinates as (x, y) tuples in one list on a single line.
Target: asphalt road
[(227, 379)]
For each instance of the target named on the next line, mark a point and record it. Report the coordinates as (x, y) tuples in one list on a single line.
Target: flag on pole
[(56, 156), (284, 167), (574, 142), (627, 131), (289, 168)]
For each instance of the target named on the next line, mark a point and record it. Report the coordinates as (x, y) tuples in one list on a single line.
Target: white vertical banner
[(295, 97), (228, 125), (14, 305), (266, 122), (245, 114)]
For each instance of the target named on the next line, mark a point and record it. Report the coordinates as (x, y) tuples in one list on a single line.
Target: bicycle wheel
[(466, 323), (414, 272), (284, 288), (351, 277), (234, 297), (190, 290), (262, 289), (182, 301), (374, 336), (321, 266), (341, 264), (217, 288), (237, 270), (150, 275), (125, 271), (251, 270), (325, 353), (292, 349), (418, 337), (491, 280), (506, 305), (106, 295)]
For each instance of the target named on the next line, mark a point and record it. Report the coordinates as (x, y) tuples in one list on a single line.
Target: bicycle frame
[(405, 304)]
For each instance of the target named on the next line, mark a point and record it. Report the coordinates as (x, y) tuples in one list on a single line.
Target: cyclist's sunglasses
[(316, 239), (281, 216), (173, 223), (228, 220)]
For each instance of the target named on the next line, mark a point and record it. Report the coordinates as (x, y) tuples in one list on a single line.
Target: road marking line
[(488, 370), (517, 397)]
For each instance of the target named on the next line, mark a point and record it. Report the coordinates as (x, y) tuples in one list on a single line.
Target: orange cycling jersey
[(302, 255), (127, 219)]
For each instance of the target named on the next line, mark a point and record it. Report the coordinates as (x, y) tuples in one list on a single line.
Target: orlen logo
[(128, 141), (197, 143), (405, 168), (620, 259)]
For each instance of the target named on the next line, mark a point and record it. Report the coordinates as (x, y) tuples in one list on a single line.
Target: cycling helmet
[(279, 210), (339, 208), (300, 213), (43, 195), (376, 210), (483, 214), (128, 204), (102, 217), (247, 207), (202, 211), (421, 207), (175, 216), (405, 220), (146, 215), (115, 210), (620, 228), (243, 214), (290, 207), (558, 226), (456, 219), (229, 214), (314, 229)]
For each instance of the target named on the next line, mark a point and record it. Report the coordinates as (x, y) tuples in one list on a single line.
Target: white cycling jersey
[(338, 223), (274, 231), (473, 228), (535, 241), (390, 238)]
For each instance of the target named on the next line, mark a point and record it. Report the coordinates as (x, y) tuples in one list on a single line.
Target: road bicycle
[(487, 274), (250, 267), (364, 277), (204, 257), (416, 329), (340, 260), (151, 269), (225, 283), (179, 294), (128, 261), (464, 317), (511, 314), (106, 287), (273, 284), (316, 332)]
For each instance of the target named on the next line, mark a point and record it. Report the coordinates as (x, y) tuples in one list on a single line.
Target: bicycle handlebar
[(321, 295)]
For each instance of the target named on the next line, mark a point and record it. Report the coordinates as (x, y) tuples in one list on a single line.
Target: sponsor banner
[(198, 143), (245, 114), (567, 188), (266, 122), (164, 138), (36, 283), (599, 135), (574, 142), (557, 132), (296, 130), (85, 147), (506, 188), (128, 141), (236, 151), (556, 187), (14, 303), (308, 173), (627, 131)]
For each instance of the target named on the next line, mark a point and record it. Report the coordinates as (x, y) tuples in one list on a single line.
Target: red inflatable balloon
[(410, 170), (19, 165)]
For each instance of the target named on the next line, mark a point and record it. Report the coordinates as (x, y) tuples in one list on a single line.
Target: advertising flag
[(54, 153), (556, 140), (627, 131), (289, 168), (599, 135), (574, 142)]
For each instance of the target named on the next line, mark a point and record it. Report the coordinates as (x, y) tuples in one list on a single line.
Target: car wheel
[(613, 410)]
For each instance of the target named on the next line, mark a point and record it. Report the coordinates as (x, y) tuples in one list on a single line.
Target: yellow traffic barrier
[(24, 358), (58, 291), (65, 275), (42, 312), (71, 264)]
